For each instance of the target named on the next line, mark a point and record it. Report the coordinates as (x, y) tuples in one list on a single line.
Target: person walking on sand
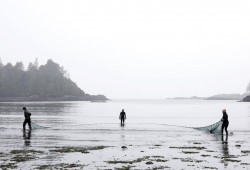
[(225, 121), (27, 115), (122, 117)]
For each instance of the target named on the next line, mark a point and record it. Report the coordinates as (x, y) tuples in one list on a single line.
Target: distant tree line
[(45, 82)]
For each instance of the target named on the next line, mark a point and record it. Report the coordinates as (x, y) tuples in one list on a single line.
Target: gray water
[(145, 114), (149, 122)]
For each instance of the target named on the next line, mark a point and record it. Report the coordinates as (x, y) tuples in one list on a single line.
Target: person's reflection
[(27, 137), (225, 149)]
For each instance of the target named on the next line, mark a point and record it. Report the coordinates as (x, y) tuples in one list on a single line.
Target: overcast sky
[(134, 48)]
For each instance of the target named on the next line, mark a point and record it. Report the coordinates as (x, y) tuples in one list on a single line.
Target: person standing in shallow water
[(225, 121), (27, 115), (122, 117)]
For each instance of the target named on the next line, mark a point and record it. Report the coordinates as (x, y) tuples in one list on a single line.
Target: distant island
[(181, 98), (226, 97), (247, 97), (49, 82), (216, 97)]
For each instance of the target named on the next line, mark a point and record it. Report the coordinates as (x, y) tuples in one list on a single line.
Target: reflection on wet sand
[(225, 149), (27, 137)]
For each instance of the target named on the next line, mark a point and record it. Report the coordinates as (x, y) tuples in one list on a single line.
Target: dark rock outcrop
[(246, 99)]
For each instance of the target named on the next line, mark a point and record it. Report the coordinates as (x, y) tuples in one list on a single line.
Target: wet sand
[(134, 146)]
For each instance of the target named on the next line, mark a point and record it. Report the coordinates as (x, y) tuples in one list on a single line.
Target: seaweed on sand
[(8, 166), (231, 160), (124, 168), (191, 160), (70, 149), (22, 157), (157, 156), (160, 160), (25, 151), (188, 147), (157, 145), (245, 151), (160, 167), (207, 167), (203, 155), (60, 166), (190, 152), (128, 162)]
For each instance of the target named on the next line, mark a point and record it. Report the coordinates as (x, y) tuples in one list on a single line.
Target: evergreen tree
[(45, 82)]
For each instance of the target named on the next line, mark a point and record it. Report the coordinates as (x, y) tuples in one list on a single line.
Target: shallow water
[(148, 124), (191, 113)]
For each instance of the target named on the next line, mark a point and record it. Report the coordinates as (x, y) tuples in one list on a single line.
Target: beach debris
[(190, 152), (129, 162), (8, 166), (197, 143), (157, 156), (187, 160), (149, 163), (124, 147), (230, 156), (210, 151), (191, 160), (203, 155), (60, 166), (125, 168), (231, 160), (160, 167), (244, 163), (188, 147), (207, 167), (22, 157), (157, 145), (25, 151), (245, 151), (160, 160), (238, 146), (70, 149)]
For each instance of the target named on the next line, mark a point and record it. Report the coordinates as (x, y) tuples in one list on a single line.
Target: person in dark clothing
[(122, 117), (27, 115), (225, 121)]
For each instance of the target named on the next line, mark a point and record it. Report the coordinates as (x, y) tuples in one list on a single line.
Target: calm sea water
[(141, 114), (147, 125)]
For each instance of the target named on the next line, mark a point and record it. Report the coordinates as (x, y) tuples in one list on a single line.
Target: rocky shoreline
[(246, 99)]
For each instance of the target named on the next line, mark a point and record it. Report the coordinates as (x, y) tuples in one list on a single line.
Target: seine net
[(214, 128), (36, 126)]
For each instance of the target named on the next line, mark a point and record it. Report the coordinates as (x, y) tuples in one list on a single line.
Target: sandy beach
[(164, 147)]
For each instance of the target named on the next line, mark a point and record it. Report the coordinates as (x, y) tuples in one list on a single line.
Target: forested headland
[(247, 98), (49, 82)]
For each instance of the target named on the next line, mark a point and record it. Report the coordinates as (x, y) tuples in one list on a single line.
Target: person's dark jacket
[(27, 114), (122, 115), (224, 118)]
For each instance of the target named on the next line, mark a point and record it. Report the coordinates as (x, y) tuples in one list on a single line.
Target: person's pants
[(122, 120), (25, 122), (224, 126)]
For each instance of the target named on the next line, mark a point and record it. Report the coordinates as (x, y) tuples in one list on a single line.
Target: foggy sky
[(134, 48)]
